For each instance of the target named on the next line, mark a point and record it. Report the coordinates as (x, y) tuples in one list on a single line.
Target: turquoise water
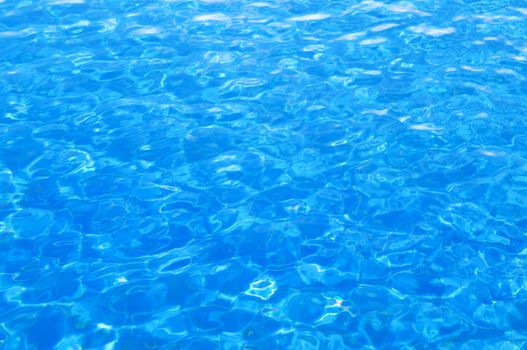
[(224, 174)]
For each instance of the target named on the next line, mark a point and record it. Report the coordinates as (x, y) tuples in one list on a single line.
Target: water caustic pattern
[(274, 174)]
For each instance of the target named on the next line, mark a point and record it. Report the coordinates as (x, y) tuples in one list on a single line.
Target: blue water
[(281, 174)]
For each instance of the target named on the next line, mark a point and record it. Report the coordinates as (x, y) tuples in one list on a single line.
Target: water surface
[(276, 174)]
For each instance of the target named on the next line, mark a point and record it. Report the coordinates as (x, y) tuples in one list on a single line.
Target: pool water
[(277, 174)]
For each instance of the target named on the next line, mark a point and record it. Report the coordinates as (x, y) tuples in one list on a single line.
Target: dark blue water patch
[(47, 330), (305, 307), (231, 278)]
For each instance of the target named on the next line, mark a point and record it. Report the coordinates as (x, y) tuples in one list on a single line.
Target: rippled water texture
[(279, 174)]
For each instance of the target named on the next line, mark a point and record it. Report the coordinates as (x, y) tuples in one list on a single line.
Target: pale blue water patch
[(223, 174)]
